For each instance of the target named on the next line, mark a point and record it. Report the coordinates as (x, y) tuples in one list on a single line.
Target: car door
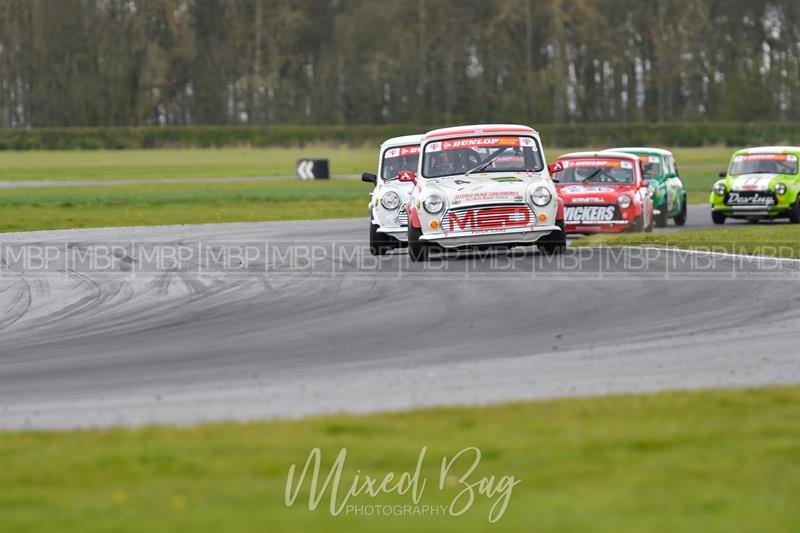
[(673, 184)]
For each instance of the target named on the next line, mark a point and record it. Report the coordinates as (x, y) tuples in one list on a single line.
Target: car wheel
[(662, 218), (651, 225), (417, 249), (379, 243), (717, 217), (794, 212), (556, 242), (680, 218), (638, 225)]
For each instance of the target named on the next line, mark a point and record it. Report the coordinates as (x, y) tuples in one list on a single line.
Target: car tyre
[(651, 225), (794, 212), (680, 218), (379, 243), (717, 217), (556, 242), (417, 249), (662, 218), (638, 225)]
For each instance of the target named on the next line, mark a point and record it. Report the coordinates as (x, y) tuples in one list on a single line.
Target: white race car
[(483, 186), (388, 203)]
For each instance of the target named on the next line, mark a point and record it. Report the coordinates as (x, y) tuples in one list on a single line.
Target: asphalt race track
[(184, 324)]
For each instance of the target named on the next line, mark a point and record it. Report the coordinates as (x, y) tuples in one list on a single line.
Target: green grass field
[(712, 461), (236, 201), (768, 240), (190, 203), (699, 166), (155, 164)]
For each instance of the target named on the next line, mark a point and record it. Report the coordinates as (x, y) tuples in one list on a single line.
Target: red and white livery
[(482, 186), (397, 164), (603, 192)]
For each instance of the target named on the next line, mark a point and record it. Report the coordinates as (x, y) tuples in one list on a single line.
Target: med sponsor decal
[(488, 218), (575, 214)]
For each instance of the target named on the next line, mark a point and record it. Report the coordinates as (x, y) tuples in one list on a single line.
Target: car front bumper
[(528, 234), (614, 226), (401, 234), (750, 211)]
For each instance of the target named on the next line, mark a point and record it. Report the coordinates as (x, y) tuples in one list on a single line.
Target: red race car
[(603, 192)]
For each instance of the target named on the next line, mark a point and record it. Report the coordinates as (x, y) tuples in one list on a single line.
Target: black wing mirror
[(723, 174), (369, 178)]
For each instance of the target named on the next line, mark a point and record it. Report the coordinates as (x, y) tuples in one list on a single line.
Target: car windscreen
[(481, 154), (651, 165), (595, 171), (399, 159), (764, 164)]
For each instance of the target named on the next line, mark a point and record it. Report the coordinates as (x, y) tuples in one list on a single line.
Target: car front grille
[(402, 216)]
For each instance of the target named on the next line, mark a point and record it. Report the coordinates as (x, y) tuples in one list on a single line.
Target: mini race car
[(666, 187), (483, 186), (388, 202), (761, 183), (603, 192)]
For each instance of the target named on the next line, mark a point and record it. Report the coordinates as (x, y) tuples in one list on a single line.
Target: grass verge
[(190, 203), (176, 164), (773, 240), (698, 166), (703, 461)]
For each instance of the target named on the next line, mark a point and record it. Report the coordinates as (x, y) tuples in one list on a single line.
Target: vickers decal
[(575, 214)]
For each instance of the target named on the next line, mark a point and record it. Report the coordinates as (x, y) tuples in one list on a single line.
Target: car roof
[(479, 129), (405, 140), (640, 150), (600, 154), (769, 150)]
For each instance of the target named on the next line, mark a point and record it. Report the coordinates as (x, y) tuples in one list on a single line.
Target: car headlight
[(433, 204), (719, 189), (780, 189), (390, 200), (541, 196), (624, 201)]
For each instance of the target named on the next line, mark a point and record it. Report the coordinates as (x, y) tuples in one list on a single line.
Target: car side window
[(671, 168)]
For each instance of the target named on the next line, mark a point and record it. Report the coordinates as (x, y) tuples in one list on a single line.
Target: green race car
[(667, 190), (759, 183)]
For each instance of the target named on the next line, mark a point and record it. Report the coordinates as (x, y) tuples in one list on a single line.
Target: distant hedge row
[(561, 135)]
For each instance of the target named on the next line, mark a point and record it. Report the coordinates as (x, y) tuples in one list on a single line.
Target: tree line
[(263, 62)]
